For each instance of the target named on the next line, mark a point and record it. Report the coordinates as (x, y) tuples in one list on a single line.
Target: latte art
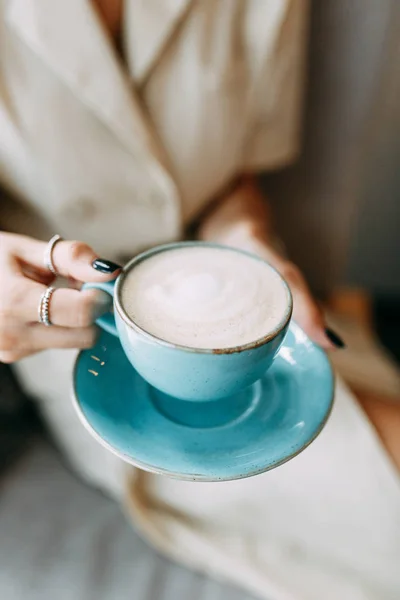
[(205, 297)]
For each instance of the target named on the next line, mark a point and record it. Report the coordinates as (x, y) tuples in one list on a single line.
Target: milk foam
[(204, 297)]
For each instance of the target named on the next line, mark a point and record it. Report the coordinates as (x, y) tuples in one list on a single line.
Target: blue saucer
[(264, 426)]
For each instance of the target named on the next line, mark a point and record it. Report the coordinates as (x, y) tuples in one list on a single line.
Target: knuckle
[(9, 357), (13, 294), (8, 340), (291, 273), (309, 321), (16, 295), (76, 250), (315, 318), (309, 316)]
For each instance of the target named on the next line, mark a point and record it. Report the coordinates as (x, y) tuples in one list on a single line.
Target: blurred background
[(345, 194), (345, 189)]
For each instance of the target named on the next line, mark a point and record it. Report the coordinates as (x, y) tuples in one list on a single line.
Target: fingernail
[(102, 304), (105, 266), (334, 338)]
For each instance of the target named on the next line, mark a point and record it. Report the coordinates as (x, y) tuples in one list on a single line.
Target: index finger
[(306, 311), (72, 259)]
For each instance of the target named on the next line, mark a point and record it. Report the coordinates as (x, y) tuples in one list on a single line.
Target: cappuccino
[(205, 297)]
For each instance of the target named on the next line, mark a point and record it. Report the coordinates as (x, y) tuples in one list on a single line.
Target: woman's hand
[(24, 278), (306, 311), (242, 220)]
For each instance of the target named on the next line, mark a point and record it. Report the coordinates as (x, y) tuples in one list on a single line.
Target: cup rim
[(216, 351)]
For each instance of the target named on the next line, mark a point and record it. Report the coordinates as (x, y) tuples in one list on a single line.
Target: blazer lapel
[(149, 26), (70, 38)]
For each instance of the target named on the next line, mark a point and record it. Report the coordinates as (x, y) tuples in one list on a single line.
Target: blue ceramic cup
[(183, 372)]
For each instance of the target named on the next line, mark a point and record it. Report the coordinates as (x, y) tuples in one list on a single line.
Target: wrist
[(242, 219), (250, 237)]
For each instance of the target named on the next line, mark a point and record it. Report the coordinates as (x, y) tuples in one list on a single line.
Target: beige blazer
[(124, 155)]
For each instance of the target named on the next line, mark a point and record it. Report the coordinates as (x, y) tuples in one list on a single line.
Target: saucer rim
[(199, 477)]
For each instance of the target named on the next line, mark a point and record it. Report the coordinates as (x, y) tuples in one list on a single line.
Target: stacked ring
[(48, 253), (44, 306)]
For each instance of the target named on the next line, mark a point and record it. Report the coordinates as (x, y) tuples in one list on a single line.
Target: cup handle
[(107, 321)]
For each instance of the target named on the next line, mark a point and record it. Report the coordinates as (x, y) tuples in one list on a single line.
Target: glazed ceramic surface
[(248, 433), (190, 373)]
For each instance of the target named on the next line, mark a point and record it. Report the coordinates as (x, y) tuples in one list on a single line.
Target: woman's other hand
[(24, 278), (242, 220)]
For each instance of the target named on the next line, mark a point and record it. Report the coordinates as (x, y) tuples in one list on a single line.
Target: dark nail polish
[(335, 338), (105, 266)]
